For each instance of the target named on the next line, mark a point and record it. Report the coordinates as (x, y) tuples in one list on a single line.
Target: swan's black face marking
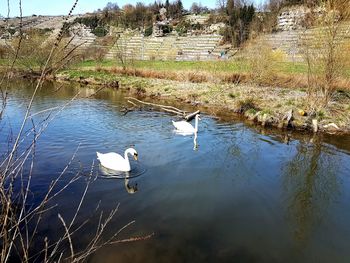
[(136, 156)]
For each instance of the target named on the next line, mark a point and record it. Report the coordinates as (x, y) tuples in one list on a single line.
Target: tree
[(230, 8), (111, 7), (294, 2), (140, 14), (155, 7), (274, 6), (179, 8), (167, 4), (325, 52), (196, 8), (175, 9), (222, 4), (239, 19)]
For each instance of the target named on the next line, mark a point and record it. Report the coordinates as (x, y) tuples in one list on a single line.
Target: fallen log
[(191, 116), (158, 105), (166, 108)]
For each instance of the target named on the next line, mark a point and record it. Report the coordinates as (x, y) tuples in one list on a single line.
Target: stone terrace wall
[(196, 47), (291, 42), (292, 18)]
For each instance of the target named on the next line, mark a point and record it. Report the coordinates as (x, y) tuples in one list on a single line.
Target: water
[(243, 195)]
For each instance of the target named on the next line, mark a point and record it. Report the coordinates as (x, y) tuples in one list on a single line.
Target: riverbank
[(284, 108)]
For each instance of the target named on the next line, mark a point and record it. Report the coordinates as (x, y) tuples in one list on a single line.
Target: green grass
[(232, 66), (3, 62), (106, 77), (89, 74), (211, 66), (292, 68)]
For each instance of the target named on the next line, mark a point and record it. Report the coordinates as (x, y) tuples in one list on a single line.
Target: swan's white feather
[(184, 126), (114, 161)]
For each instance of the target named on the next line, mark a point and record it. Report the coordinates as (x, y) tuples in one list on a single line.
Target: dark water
[(241, 196)]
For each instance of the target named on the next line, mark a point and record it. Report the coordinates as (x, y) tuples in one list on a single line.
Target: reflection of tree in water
[(311, 183)]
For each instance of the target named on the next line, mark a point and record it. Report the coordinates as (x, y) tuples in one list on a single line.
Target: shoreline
[(281, 108)]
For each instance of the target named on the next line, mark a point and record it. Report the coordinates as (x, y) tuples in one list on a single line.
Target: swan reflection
[(195, 144), (127, 176), (131, 189)]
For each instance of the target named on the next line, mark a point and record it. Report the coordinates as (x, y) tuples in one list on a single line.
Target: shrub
[(99, 31), (3, 52), (183, 27), (197, 77), (232, 95), (35, 50), (148, 31), (247, 104), (167, 29), (262, 61)]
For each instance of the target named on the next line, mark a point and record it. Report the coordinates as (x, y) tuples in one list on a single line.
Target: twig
[(158, 105), (129, 101), (68, 236), (132, 239)]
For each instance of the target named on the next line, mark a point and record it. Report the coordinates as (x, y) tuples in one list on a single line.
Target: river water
[(241, 195)]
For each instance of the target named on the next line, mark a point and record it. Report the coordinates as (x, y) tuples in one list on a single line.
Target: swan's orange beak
[(136, 157)]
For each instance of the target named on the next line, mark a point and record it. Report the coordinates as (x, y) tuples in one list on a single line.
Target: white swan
[(185, 127), (115, 161)]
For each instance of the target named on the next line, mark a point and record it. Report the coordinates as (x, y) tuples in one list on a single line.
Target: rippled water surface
[(242, 195)]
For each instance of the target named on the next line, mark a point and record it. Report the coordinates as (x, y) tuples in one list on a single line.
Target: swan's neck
[(196, 124), (126, 154), (195, 145)]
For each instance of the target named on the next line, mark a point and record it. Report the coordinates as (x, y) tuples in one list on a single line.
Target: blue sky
[(54, 7)]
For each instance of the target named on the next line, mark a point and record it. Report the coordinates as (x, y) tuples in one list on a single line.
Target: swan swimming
[(115, 161), (185, 127)]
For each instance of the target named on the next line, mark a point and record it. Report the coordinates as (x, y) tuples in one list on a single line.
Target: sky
[(62, 7)]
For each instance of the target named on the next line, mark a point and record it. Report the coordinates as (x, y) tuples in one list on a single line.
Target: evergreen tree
[(239, 19), (230, 6), (294, 2), (180, 7)]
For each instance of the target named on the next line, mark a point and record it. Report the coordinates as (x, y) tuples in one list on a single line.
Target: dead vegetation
[(20, 217), (262, 61), (262, 77), (326, 54)]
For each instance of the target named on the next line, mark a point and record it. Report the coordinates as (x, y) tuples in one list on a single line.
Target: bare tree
[(324, 51), (121, 51), (221, 4), (20, 219)]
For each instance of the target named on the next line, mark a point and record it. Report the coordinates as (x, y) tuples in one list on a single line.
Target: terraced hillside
[(196, 47), (291, 42), (83, 38)]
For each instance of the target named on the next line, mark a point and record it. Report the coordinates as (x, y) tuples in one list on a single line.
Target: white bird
[(185, 127), (115, 161)]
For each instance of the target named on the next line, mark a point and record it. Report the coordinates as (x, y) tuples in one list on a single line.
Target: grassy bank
[(267, 105), (279, 74), (227, 66)]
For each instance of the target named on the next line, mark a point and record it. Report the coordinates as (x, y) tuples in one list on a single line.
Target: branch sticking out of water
[(191, 116), (166, 108)]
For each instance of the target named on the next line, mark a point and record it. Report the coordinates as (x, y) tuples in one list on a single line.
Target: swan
[(185, 127), (115, 161)]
